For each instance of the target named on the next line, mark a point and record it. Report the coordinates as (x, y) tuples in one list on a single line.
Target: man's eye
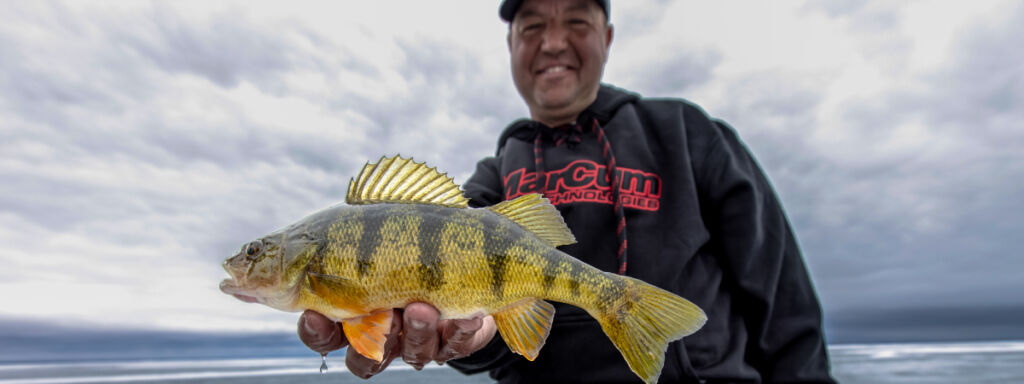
[(531, 27)]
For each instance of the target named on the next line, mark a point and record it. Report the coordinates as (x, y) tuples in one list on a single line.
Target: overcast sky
[(144, 142)]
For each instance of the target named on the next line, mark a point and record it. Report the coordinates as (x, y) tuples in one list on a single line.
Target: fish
[(407, 234)]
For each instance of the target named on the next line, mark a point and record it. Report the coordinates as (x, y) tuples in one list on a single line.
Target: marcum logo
[(587, 181)]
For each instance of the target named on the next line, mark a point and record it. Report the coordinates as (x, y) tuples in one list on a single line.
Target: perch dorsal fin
[(400, 180), (537, 215)]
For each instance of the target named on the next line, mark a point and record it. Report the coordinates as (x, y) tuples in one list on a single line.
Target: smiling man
[(651, 188), (558, 52)]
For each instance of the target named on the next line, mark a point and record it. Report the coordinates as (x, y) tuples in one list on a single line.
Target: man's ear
[(609, 34), (508, 38)]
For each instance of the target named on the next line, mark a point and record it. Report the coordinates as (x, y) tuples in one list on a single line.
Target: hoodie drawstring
[(571, 134)]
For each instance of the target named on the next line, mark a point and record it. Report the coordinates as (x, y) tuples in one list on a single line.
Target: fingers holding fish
[(323, 335), (320, 333), (462, 337), (427, 338), (421, 339)]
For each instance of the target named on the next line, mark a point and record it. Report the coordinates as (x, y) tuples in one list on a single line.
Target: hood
[(609, 99)]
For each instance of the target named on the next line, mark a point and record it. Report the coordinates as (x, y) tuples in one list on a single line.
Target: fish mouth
[(229, 286)]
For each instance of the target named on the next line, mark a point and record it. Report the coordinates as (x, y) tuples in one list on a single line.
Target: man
[(651, 188)]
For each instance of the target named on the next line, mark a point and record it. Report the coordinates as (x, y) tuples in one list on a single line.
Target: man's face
[(558, 50)]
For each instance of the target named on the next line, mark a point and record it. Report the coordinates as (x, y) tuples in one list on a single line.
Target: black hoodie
[(703, 222)]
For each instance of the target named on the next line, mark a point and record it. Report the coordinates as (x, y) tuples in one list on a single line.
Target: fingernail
[(417, 324), (417, 367)]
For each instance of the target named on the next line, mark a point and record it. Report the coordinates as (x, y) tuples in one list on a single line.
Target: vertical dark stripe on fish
[(610, 291), (497, 241), (428, 237), (549, 257), (370, 239), (325, 227), (316, 262), (574, 287), (568, 271), (575, 276)]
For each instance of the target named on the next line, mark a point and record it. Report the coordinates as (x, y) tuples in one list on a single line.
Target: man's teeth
[(555, 69)]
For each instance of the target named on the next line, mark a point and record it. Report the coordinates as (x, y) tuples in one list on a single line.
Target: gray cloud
[(450, 113), (836, 8), (630, 22), (98, 147), (676, 72), (984, 88), (107, 175), (874, 16), (223, 49), (877, 25), (927, 324), (228, 47), (103, 65)]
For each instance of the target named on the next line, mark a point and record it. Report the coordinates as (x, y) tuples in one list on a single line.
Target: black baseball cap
[(509, 7)]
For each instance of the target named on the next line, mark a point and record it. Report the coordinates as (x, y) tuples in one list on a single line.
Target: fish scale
[(407, 235)]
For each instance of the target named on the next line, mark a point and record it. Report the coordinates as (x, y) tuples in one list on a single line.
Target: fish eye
[(253, 248)]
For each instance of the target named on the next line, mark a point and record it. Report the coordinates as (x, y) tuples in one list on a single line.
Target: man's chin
[(559, 107)]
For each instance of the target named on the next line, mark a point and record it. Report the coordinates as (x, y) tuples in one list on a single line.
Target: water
[(927, 363), (218, 371), (919, 363)]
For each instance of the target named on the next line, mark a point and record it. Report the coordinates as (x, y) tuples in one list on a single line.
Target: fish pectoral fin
[(368, 334), (336, 290), (525, 325)]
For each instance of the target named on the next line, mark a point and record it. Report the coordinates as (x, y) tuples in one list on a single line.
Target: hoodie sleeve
[(761, 256), (483, 189)]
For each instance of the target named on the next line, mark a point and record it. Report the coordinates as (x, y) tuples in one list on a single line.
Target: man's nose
[(554, 40)]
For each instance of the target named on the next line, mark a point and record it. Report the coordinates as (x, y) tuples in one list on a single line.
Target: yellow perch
[(408, 235)]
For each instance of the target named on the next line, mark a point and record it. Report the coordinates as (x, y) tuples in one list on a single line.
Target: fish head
[(268, 270)]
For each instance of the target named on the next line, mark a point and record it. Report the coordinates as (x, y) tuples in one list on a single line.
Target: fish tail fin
[(643, 320)]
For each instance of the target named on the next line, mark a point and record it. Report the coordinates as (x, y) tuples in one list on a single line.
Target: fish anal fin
[(524, 325), (401, 180), (369, 334), (536, 214)]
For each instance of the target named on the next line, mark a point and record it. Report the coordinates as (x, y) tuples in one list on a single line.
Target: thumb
[(462, 337), (320, 333)]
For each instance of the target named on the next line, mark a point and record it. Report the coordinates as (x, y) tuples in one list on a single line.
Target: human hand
[(417, 335)]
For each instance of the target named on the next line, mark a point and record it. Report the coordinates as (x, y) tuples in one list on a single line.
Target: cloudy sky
[(144, 142)]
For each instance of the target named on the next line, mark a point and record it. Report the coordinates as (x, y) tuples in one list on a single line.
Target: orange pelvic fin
[(368, 334)]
